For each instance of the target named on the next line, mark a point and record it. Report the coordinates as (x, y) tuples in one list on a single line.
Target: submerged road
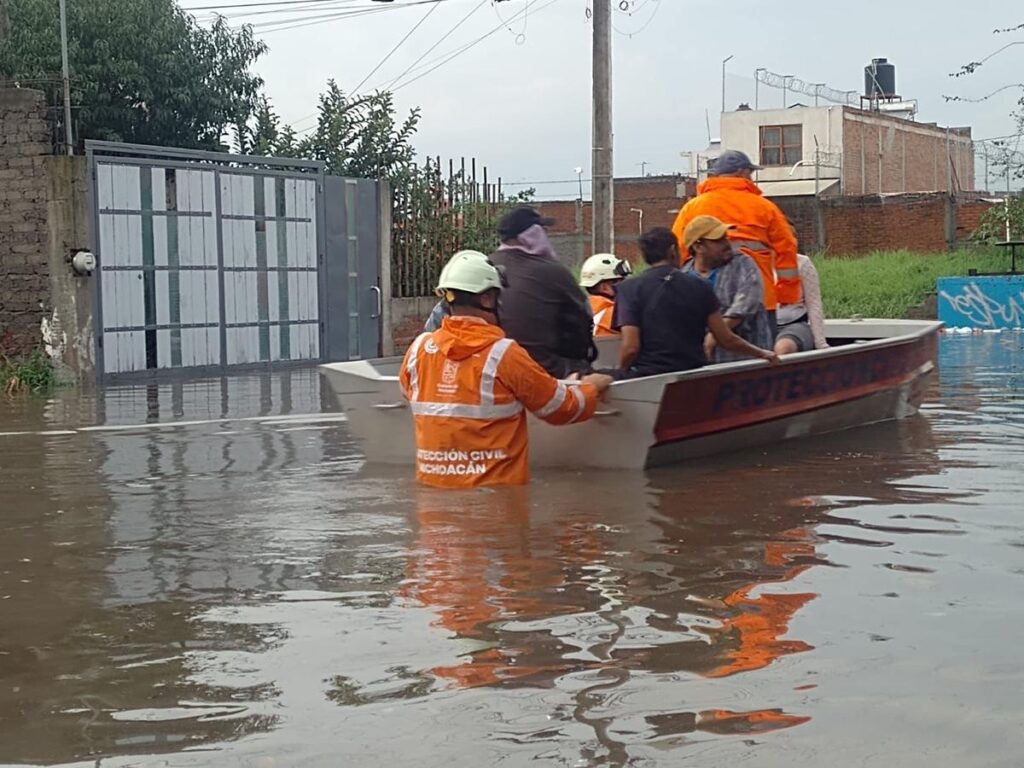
[(206, 574)]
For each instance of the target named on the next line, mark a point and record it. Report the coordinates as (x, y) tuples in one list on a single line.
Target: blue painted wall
[(982, 302)]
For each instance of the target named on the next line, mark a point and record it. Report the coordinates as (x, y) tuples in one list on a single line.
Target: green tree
[(142, 71), (355, 136)]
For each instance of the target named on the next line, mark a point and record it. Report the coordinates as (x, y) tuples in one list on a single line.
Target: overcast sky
[(520, 100)]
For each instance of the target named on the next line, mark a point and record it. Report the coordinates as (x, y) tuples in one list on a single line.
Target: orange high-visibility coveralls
[(761, 231), (468, 385), (602, 308)]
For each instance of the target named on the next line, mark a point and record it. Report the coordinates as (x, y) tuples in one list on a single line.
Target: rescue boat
[(874, 371)]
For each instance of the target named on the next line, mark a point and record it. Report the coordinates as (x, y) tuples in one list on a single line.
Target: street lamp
[(724, 62)]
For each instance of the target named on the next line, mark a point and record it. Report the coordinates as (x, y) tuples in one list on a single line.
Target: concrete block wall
[(24, 235)]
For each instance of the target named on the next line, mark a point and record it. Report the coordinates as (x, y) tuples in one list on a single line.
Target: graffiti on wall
[(982, 302)]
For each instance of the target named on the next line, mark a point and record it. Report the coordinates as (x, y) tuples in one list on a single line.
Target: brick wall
[(24, 237), (850, 225), (802, 212), (857, 225), (888, 155), (407, 318), (658, 197)]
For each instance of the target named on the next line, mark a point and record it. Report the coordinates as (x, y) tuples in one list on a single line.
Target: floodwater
[(237, 589)]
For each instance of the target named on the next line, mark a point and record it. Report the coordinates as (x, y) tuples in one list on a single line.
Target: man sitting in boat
[(599, 276), (762, 230), (468, 387), (736, 281), (542, 308), (663, 315), (802, 325)]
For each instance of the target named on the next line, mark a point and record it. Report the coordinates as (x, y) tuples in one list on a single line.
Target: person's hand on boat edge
[(600, 381), (771, 357)]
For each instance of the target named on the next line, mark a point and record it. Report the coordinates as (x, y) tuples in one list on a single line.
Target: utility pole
[(603, 192), (68, 139)]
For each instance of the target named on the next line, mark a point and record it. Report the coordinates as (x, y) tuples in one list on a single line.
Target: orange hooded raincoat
[(468, 386), (603, 308), (761, 231)]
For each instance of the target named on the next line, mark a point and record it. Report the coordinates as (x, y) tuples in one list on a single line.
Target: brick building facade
[(842, 150), (24, 271), (640, 203)]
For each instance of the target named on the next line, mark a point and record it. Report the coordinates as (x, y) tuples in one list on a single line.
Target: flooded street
[(237, 589)]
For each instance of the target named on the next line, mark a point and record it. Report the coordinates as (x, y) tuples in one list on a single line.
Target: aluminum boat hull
[(876, 372)]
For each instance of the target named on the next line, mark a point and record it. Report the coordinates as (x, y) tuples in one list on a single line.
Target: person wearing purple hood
[(542, 308)]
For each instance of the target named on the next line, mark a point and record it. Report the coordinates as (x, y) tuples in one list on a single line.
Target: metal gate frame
[(144, 156)]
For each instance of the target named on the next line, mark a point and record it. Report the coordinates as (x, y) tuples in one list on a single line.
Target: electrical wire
[(645, 25), (261, 5), (459, 51), (432, 48), (398, 45), (308, 6), (281, 25)]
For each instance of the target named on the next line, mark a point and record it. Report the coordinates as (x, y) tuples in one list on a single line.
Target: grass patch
[(34, 373), (889, 283)]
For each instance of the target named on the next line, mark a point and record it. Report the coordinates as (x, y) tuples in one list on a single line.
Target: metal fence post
[(384, 214)]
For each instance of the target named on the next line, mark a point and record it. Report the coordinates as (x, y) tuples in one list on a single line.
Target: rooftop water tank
[(880, 79)]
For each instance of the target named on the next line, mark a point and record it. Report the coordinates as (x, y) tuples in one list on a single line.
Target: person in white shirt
[(802, 325)]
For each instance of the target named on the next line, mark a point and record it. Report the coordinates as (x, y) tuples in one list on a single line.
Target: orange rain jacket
[(602, 307), (762, 232), (467, 385)]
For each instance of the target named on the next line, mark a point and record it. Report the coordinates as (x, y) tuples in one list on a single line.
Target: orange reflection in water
[(477, 563), (760, 621)]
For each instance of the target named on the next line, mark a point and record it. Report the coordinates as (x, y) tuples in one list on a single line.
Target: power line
[(398, 45), (260, 5), (459, 51), (432, 48), (307, 6), (310, 21)]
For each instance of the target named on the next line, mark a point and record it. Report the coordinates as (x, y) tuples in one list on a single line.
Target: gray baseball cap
[(731, 161)]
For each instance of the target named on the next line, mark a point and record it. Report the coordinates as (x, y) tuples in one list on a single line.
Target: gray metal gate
[(209, 262)]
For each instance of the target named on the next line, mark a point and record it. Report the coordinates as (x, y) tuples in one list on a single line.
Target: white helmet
[(470, 271), (603, 266)]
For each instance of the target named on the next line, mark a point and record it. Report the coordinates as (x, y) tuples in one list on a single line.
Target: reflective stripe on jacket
[(468, 387), (762, 232), (603, 309)]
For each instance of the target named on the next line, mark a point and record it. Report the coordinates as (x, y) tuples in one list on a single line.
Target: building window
[(781, 144)]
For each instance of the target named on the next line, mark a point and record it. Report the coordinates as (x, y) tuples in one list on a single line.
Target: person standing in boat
[(599, 276), (802, 325), (469, 386), (542, 308), (762, 230), (736, 281), (663, 315)]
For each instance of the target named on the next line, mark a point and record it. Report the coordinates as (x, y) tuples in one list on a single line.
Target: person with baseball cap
[(543, 309), (761, 230), (736, 281), (664, 313)]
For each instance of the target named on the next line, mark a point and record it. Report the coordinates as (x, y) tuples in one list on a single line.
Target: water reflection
[(236, 589)]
